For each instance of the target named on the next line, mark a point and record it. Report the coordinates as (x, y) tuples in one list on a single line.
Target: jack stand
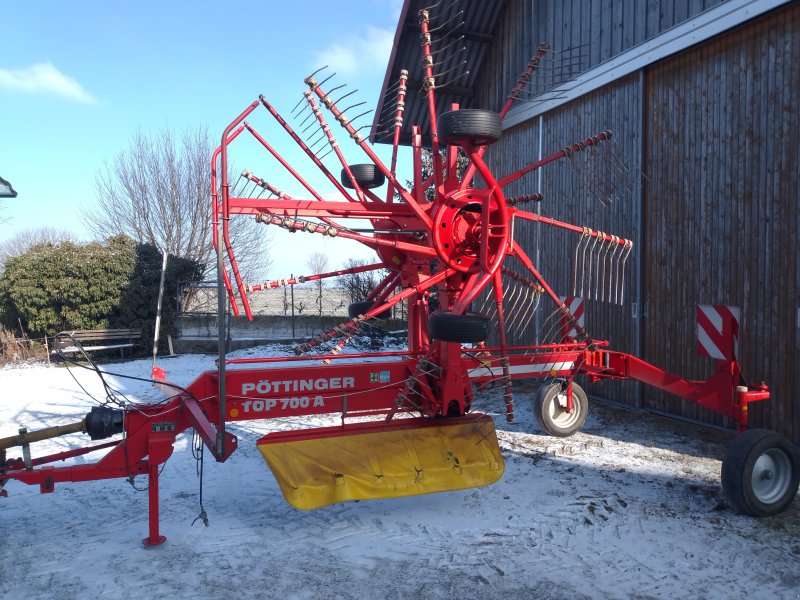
[(154, 539)]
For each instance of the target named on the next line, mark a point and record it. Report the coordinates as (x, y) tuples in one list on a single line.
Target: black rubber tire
[(448, 327), (761, 473), (554, 418), (479, 127), (359, 308), (367, 176)]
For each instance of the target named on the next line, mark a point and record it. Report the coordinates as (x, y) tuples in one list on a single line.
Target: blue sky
[(78, 78)]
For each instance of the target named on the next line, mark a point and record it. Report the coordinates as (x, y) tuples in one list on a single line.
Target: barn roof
[(455, 24)]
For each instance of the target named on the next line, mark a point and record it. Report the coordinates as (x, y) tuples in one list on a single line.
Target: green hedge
[(52, 288)]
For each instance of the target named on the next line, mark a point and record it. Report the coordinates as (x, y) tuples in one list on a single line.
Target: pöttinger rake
[(448, 244)]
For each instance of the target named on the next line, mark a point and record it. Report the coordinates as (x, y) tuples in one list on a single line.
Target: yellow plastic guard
[(366, 461)]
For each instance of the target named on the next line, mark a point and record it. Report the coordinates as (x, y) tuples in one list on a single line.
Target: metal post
[(293, 335), (155, 538), (222, 311), (538, 227), (158, 307)]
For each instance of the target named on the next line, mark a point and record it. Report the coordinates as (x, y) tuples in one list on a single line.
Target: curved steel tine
[(612, 263), (345, 96), (603, 271), (333, 89), (352, 106), (624, 260), (589, 275), (583, 260)]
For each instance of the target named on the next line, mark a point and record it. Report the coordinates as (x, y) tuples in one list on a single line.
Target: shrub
[(52, 288)]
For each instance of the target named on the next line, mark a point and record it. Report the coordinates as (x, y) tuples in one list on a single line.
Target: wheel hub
[(458, 229), (771, 475)]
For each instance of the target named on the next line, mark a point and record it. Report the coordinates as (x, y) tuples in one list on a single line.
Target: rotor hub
[(460, 226)]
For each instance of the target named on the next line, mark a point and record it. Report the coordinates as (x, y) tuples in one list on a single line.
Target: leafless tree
[(359, 285), (317, 263), (23, 240), (157, 191)]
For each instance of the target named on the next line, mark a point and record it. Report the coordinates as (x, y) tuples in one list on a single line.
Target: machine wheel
[(479, 127), (760, 473), (549, 407), (359, 308), (468, 328), (367, 176)]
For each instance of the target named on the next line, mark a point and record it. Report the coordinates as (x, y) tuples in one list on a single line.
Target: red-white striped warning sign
[(576, 307), (718, 331)]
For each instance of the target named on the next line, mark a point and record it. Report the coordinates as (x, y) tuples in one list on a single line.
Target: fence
[(290, 312)]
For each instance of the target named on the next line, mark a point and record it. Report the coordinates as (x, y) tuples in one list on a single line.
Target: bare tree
[(24, 240), (157, 191), (359, 285), (317, 263)]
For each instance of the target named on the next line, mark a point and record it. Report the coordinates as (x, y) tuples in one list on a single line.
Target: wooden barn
[(702, 174)]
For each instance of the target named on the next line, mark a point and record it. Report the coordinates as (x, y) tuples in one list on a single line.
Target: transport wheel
[(550, 409), (367, 176), (760, 473), (468, 328), (359, 308), (479, 127)]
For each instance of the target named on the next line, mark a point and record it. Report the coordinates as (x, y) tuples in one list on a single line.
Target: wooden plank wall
[(718, 216), (722, 209), (591, 31)]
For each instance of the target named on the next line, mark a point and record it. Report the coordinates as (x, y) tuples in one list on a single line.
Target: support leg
[(154, 539)]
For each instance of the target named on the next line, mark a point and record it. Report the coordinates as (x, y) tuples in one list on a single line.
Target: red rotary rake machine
[(447, 242)]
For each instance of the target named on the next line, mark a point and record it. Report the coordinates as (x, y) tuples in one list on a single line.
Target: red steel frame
[(467, 229)]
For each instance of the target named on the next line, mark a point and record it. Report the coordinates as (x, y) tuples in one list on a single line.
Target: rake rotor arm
[(353, 324), (563, 153), (430, 86), (283, 163), (389, 282), (603, 237), (409, 199), (317, 162), (523, 80), (398, 125), (372, 242), (304, 278)]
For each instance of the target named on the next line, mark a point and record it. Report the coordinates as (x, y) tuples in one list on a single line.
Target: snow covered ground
[(629, 508)]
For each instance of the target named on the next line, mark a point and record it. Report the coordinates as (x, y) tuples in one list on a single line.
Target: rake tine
[(350, 93), (352, 106), (446, 46), (357, 117), (584, 236), (450, 70), (611, 263), (324, 81), (333, 89), (299, 102), (624, 260), (307, 127), (603, 276), (588, 276)]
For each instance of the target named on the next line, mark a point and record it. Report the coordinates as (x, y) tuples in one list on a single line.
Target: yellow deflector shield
[(365, 461)]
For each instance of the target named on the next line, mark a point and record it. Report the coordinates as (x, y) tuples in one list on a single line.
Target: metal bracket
[(26, 449)]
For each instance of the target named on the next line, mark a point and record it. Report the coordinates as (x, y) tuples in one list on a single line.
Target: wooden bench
[(96, 339)]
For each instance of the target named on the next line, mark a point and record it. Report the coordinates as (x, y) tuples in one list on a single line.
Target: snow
[(629, 508)]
